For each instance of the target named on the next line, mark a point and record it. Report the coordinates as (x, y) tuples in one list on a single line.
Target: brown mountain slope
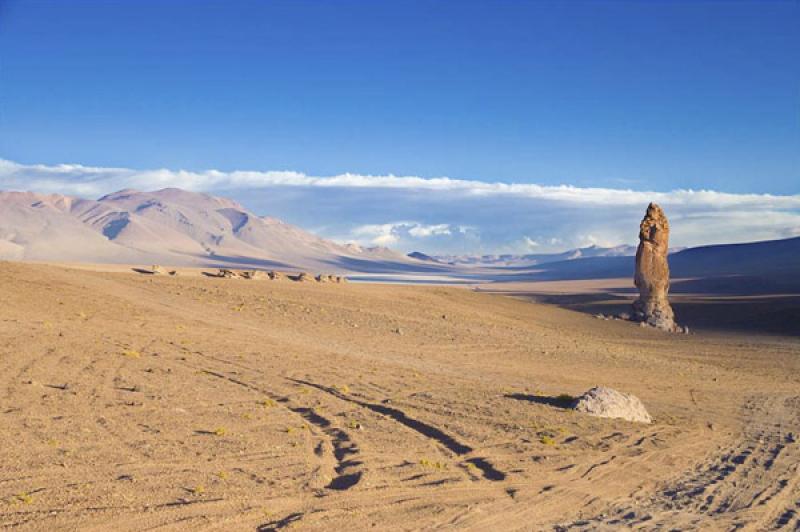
[(170, 226)]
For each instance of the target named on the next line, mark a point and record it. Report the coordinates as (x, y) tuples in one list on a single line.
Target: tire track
[(489, 471), (754, 483), (348, 469)]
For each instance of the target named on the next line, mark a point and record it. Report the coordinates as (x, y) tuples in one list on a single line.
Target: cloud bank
[(444, 215)]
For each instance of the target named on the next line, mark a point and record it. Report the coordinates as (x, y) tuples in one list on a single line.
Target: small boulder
[(607, 402), (275, 276), (157, 270), (322, 278)]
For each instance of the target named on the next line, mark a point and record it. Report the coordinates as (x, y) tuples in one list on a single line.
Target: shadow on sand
[(764, 313), (559, 401)]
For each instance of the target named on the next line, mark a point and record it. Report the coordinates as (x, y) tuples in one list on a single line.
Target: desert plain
[(136, 402)]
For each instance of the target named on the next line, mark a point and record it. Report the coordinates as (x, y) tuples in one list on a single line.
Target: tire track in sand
[(754, 484), (347, 469), (489, 471)]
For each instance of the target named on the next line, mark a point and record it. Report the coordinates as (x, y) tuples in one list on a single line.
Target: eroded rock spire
[(652, 271)]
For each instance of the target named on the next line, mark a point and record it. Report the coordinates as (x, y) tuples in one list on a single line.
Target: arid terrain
[(710, 305), (135, 402)]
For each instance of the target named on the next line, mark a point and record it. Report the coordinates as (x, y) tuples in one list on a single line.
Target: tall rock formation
[(652, 271)]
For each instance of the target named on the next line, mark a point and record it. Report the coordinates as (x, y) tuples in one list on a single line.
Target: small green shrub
[(547, 440)]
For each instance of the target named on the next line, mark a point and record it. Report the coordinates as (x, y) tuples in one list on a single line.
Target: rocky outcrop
[(607, 402), (304, 277), (155, 269), (652, 272), (236, 274), (253, 274)]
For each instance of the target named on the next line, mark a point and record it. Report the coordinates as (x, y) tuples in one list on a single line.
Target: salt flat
[(134, 402)]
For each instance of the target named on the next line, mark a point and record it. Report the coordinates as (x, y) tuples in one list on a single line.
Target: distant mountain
[(169, 226), (769, 257), (534, 259), (418, 255), (180, 228), (768, 266)]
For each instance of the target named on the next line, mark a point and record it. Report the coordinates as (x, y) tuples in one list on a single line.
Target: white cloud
[(375, 234), (443, 215), (422, 231), (86, 179), (530, 243), (390, 233)]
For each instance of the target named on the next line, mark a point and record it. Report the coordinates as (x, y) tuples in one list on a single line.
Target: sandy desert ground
[(133, 402)]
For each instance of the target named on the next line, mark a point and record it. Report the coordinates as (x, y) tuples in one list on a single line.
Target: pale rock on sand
[(607, 402), (652, 272)]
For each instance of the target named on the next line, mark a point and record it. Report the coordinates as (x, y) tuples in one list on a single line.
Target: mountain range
[(771, 266), (169, 226), (180, 228), (517, 260)]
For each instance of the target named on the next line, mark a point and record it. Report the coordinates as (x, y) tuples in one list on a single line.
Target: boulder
[(652, 272), (304, 277), (275, 276), (607, 402), (322, 278)]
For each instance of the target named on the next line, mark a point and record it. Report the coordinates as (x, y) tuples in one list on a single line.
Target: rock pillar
[(652, 271)]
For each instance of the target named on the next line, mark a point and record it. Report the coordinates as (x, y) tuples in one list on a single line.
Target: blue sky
[(640, 96)]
